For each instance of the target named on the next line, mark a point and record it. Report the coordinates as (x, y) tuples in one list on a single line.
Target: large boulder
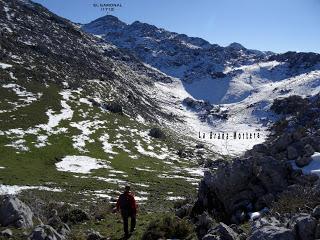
[(45, 232), (272, 232), (14, 212), (282, 142), (305, 226), (235, 186)]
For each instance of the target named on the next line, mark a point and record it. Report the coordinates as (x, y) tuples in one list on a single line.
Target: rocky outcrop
[(238, 186), (14, 212), (157, 133), (222, 231), (272, 232), (45, 232)]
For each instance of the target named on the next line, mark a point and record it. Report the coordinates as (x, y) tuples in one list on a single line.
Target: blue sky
[(276, 25)]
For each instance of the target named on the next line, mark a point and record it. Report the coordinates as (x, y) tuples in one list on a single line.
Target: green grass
[(37, 166)]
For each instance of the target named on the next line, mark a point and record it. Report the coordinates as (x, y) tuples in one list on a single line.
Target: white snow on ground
[(54, 120), (172, 198), (195, 171), (15, 189), (312, 167), (81, 164), (19, 144), (87, 128), (42, 141), (24, 96), (107, 147), (5, 65), (2, 167), (144, 169), (66, 113), (111, 180), (152, 154), (141, 185)]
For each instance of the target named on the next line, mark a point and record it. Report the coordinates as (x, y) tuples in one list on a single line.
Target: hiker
[(128, 208)]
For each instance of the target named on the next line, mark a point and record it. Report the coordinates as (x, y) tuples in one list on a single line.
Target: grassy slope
[(37, 166)]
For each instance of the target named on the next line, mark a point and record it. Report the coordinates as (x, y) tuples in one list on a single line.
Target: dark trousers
[(125, 218)]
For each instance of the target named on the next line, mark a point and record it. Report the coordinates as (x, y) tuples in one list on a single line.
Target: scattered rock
[(45, 232), (15, 213), (222, 231), (185, 210), (309, 151), (303, 161), (93, 235), (7, 233), (203, 223), (292, 153), (61, 227)]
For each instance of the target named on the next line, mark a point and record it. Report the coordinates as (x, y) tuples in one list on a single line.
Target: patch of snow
[(15, 189), (144, 169), (5, 65), (107, 147), (172, 198), (81, 164), (142, 151)]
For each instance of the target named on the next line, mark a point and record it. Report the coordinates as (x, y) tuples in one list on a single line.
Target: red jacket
[(126, 202)]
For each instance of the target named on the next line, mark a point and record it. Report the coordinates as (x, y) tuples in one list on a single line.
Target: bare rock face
[(236, 186), (272, 232), (15, 213)]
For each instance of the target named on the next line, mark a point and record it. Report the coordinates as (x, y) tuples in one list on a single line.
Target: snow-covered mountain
[(229, 88)]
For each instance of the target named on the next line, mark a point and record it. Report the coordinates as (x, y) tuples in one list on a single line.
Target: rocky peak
[(236, 46), (106, 24)]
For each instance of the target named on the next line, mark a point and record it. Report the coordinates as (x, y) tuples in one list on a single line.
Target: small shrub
[(169, 228), (114, 107), (296, 200), (157, 133)]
